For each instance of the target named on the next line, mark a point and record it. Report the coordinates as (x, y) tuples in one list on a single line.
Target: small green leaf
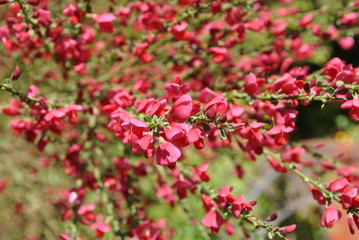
[(331, 91), (270, 235), (7, 82), (147, 118), (339, 83), (151, 125), (223, 133), (206, 127)]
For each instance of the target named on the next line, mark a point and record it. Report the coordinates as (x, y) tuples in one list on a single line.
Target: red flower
[(105, 21), (219, 54), (225, 196), (353, 106), (217, 105), (252, 85), (14, 109), (276, 165), (346, 43), (288, 229), (212, 220), (329, 217), (338, 185), (181, 108), (101, 228), (318, 195), (237, 206), (167, 154), (350, 19), (351, 224)]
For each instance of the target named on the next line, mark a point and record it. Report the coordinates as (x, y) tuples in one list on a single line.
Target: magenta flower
[(181, 108), (105, 21), (329, 217), (353, 106), (212, 220), (167, 154), (101, 228)]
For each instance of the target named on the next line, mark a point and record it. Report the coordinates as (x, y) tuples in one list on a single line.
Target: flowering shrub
[(137, 102)]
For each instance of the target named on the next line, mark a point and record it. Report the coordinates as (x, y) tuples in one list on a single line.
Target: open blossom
[(353, 106), (101, 228), (181, 108), (167, 154), (105, 21), (212, 220), (329, 217)]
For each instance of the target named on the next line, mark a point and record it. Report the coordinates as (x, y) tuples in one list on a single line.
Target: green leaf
[(331, 90), (270, 235), (206, 127), (147, 118), (223, 133), (339, 83), (7, 82), (151, 125)]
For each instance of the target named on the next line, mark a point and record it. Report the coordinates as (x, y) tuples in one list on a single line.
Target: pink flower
[(288, 229), (329, 217), (225, 196), (15, 74), (318, 195), (176, 88), (353, 106), (219, 54), (252, 84), (167, 154), (338, 185), (212, 220), (3, 184), (346, 43), (105, 21), (333, 67), (44, 17), (178, 30), (217, 105), (14, 109), (181, 108), (306, 20), (347, 196), (351, 224), (350, 19), (285, 84), (101, 228), (276, 165), (237, 206)]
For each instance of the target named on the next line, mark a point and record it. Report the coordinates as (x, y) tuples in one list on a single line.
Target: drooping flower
[(167, 154), (330, 216), (212, 220)]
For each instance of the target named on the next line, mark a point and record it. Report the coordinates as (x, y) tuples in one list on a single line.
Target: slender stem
[(277, 97), (18, 94), (327, 193)]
